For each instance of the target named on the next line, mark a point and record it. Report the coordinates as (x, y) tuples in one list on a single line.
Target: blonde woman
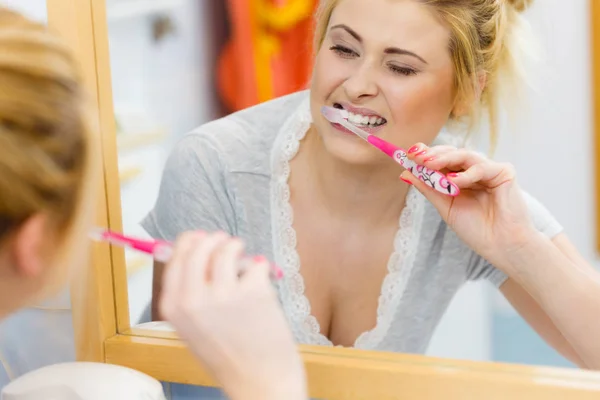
[(48, 170), (370, 262)]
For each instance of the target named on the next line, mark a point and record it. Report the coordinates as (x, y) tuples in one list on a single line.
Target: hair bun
[(520, 5)]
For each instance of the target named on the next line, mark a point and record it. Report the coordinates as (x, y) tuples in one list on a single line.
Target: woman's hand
[(233, 323), (489, 214)]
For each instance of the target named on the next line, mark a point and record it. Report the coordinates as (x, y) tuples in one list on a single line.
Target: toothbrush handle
[(432, 178), (162, 252)]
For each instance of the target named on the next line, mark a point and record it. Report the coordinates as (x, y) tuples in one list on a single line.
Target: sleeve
[(544, 222), (193, 192)]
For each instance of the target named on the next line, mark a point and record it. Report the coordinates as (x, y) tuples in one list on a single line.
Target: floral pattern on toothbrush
[(433, 178)]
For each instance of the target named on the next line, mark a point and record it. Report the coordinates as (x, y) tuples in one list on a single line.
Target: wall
[(164, 85), (35, 9), (559, 128)]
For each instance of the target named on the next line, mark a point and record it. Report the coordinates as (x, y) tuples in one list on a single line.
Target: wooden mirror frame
[(594, 22), (102, 328)]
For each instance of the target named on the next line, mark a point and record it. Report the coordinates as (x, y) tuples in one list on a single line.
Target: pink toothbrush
[(160, 250), (432, 178)]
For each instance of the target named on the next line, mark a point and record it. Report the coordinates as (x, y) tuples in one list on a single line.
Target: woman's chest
[(343, 269)]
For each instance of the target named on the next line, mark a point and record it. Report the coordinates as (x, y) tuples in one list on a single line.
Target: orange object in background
[(269, 51)]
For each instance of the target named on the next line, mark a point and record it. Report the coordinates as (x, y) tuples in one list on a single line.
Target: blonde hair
[(487, 37), (46, 161)]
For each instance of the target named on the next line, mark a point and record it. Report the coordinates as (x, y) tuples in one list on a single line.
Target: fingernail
[(259, 259), (277, 271), (413, 149), (430, 159), (421, 153), (406, 180), (452, 175)]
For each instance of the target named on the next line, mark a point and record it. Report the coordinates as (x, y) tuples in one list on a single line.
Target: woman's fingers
[(458, 160), (487, 175), (173, 273), (445, 157), (420, 153), (195, 268), (468, 168), (181, 249), (436, 198), (258, 273), (225, 264)]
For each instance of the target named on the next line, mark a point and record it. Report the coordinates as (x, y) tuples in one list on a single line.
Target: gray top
[(231, 174)]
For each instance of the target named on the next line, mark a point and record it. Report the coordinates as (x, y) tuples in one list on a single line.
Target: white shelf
[(134, 141), (124, 9)]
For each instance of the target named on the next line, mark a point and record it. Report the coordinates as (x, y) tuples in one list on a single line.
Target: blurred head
[(45, 164), (408, 67)]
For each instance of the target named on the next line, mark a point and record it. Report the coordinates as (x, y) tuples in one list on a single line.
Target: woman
[(368, 261), (48, 170)]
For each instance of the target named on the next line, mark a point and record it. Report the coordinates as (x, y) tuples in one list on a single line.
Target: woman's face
[(387, 62)]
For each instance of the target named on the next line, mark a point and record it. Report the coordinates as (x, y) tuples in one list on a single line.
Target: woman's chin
[(352, 150)]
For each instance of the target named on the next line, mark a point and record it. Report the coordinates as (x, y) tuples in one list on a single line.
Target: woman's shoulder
[(242, 141)]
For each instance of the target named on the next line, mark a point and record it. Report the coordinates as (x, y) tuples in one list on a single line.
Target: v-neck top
[(232, 174)]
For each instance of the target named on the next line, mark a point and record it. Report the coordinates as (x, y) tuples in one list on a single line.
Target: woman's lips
[(372, 130)]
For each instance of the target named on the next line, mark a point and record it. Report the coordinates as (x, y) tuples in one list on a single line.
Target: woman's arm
[(157, 275), (193, 195), (550, 284), (233, 324), (558, 293)]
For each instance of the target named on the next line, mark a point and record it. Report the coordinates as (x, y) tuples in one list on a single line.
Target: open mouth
[(369, 120)]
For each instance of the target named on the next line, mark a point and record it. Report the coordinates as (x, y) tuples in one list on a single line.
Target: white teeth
[(355, 118), (359, 119)]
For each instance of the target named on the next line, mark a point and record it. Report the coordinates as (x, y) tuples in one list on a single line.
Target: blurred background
[(176, 64)]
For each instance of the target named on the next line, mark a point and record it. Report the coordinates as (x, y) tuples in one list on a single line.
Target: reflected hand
[(489, 214), (233, 323)]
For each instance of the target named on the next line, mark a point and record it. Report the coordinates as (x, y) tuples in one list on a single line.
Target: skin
[(346, 197), (30, 267), (251, 351), (550, 284), (201, 285), (335, 176)]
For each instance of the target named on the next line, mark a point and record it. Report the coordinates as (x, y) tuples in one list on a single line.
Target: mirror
[(137, 131), (162, 67), (164, 63)]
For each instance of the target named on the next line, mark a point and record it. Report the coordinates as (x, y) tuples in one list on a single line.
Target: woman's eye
[(343, 51), (402, 70)]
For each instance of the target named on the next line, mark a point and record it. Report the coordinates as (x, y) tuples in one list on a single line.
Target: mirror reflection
[(368, 260)]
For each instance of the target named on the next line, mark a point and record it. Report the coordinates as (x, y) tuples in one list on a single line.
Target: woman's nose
[(361, 84)]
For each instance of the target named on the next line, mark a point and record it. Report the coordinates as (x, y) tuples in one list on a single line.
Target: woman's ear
[(30, 246), (465, 103)]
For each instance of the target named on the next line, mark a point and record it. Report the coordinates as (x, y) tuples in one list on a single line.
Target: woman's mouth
[(363, 118)]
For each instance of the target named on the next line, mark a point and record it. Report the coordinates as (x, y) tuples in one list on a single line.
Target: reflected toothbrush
[(432, 178), (160, 250)]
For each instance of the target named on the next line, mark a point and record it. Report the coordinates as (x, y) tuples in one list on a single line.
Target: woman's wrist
[(292, 387), (519, 250)]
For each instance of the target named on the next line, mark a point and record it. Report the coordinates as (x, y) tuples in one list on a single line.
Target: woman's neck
[(372, 194)]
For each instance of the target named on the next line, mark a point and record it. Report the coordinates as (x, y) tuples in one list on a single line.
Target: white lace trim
[(304, 325)]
